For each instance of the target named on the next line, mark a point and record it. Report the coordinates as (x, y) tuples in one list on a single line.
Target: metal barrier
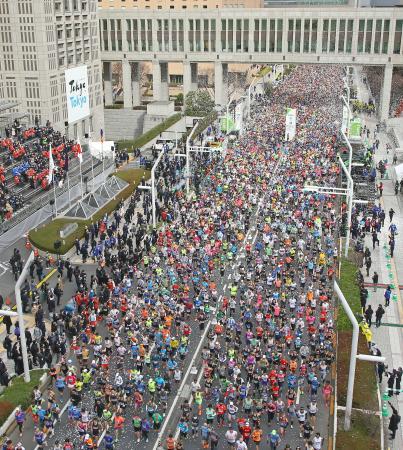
[(45, 198)]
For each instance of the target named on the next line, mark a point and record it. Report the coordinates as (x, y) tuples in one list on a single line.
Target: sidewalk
[(388, 337)]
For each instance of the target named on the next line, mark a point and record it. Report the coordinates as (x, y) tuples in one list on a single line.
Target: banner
[(239, 116), (226, 124), (78, 101), (344, 123), (290, 124), (355, 129)]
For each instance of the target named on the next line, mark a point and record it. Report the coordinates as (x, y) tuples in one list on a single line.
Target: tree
[(179, 99), (198, 103)]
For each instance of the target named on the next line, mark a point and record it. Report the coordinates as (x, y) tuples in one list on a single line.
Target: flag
[(80, 151), (51, 165), (102, 135)]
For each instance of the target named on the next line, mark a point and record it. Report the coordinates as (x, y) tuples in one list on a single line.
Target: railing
[(45, 198)]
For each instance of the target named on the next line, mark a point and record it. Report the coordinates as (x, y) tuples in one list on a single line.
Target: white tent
[(398, 172), (99, 149)]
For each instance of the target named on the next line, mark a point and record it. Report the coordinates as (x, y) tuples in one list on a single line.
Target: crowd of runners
[(249, 258)]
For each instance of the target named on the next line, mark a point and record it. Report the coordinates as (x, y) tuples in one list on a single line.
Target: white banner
[(344, 123), (290, 124), (77, 92), (239, 115)]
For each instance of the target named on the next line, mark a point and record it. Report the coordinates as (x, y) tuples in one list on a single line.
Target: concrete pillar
[(136, 83), (189, 77), (221, 83), (386, 91), (127, 84), (108, 83), (160, 81)]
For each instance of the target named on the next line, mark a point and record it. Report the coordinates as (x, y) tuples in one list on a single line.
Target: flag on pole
[(51, 165), (79, 151), (102, 135)]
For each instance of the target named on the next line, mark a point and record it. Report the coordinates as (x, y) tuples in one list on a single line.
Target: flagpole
[(92, 161), (54, 192), (102, 153), (68, 188)]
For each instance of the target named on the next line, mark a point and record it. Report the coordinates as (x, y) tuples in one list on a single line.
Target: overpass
[(312, 35)]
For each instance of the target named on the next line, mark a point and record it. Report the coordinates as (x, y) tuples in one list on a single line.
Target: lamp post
[(20, 313), (228, 105), (189, 138), (353, 355), (348, 192), (249, 95)]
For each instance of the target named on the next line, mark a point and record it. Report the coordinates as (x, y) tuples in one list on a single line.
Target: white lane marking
[(171, 410)]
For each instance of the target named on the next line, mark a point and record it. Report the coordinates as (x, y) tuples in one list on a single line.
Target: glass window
[(325, 35), (361, 29), (378, 36), (349, 37), (290, 35), (368, 36), (272, 36), (279, 48), (398, 37), (314, 35), (342, 31), (385, 37)]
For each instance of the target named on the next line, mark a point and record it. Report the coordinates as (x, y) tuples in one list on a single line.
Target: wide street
[(245, 296)]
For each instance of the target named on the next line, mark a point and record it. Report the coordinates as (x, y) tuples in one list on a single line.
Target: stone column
[(160, 81), (136, 83), (386, 91), (189, 77), (220, 83), (127, 84), (108, 83)]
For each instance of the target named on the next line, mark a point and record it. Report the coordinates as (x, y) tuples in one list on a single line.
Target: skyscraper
[(38, 42)]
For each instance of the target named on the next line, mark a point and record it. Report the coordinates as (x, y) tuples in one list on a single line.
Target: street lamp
[(249, 95), (187, 158), (353, 355), (20, 313), (228, 105), (348, 192)]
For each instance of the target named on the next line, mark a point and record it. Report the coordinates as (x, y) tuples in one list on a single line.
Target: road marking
[(46, 278), (60, 415), (171, 410)]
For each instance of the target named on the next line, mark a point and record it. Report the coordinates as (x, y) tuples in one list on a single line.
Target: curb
[(10, 425)]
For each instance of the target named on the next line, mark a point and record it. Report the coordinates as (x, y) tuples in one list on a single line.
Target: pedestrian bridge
[(345, 35)]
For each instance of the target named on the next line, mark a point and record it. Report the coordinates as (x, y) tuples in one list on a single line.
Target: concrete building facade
[(344, 35), (178, 4), (39, 40)]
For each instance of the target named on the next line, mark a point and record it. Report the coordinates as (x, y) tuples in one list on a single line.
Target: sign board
[(290, 124), (355, 129), (68, 229), (239, 115), (227, 124), (77, 92), (344, 123)]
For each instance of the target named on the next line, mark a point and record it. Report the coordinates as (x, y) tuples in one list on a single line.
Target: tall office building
[(179, 4), (39, 40)]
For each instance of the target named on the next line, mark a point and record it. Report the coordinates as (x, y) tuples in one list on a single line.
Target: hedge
[(150, 134), (44, 237), (18, 393)]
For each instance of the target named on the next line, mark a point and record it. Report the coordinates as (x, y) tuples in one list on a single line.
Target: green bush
[(114, 106), (18, 393), (350, 289), (203, 123), (45, 236), (142, 140)]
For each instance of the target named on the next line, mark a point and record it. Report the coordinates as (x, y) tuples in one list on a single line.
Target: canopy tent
[(102, 149)]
